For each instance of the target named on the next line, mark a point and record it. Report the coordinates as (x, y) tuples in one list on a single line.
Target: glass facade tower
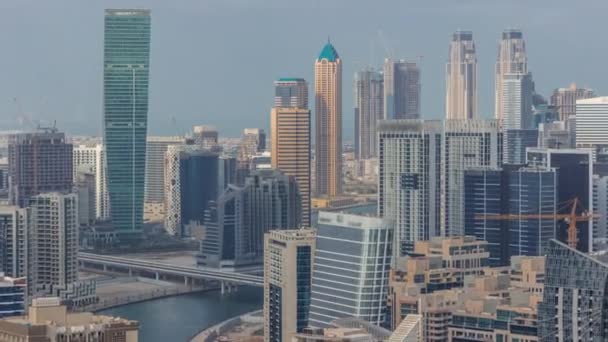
[(125, 107)]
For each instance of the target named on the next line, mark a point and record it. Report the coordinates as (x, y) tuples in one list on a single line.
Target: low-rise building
[(458, 298), (47, 321)]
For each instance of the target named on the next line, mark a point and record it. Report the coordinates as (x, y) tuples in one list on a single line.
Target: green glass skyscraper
[(125, 107)]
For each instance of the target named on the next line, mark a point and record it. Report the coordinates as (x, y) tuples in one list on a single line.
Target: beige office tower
[(328, 115), (287, 282), (512, 59), (461, 78), (290, 149), (565, 100)]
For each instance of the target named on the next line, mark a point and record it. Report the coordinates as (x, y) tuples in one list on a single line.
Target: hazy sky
[(213, 61)]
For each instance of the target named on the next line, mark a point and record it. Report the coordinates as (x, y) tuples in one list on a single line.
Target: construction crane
[(571, 218)]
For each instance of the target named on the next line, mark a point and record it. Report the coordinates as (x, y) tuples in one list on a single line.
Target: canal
[(180, 318)]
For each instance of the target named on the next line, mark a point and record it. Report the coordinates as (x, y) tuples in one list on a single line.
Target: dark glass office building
[(574, 180), (125, 108), (513, 191), (235, 224), (199, 177)]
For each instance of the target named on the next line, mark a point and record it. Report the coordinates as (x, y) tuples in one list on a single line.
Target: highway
[(168, 269)]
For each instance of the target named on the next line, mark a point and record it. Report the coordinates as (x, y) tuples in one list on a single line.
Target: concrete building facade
[(38, 162), (288, 268), (291, 150)]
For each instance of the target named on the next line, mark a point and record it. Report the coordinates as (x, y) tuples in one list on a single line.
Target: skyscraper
[(533, 191), (461, 77), (92, 157), (421, 181), (288, 261), (156, 147), (205, 136), (290, 134), (369, 95), (253, 141), (191, 182), (515, 143), (401, 90), (125, 108), (16, 225), (512, 59), (291, 92), (574, 180), (516, 101), (565, 100), (235, 224), (574, 296), (328, 122), (54, 240), (409, 164), (466, 144), (485, 194), (38, 162), (351, 268), (592, 122)]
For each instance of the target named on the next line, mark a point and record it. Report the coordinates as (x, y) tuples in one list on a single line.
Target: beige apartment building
[(447, 283), (290, 147), (49, 321)]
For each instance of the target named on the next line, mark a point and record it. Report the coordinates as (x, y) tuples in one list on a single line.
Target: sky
[(213, 61)]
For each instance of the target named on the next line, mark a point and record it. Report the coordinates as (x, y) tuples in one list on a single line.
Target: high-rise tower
[(125, 107), (401, 90), (564, 99), (512, 59), (291, 92), (369, 95), (290, 137), (328, 114), (38, 162), (461, 77)]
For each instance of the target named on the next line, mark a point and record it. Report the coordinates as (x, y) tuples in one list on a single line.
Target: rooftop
[(290, 79), (329, 53)]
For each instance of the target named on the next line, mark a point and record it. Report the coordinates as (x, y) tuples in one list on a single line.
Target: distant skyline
[(214, 62)]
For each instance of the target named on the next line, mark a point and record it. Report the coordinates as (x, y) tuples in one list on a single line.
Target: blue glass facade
[(125, 107), (532, 191), (304, 273), (573, 181), (275, 308), (12, 300), (199, 185), (512, 190), (483, 194), (351, 265)]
